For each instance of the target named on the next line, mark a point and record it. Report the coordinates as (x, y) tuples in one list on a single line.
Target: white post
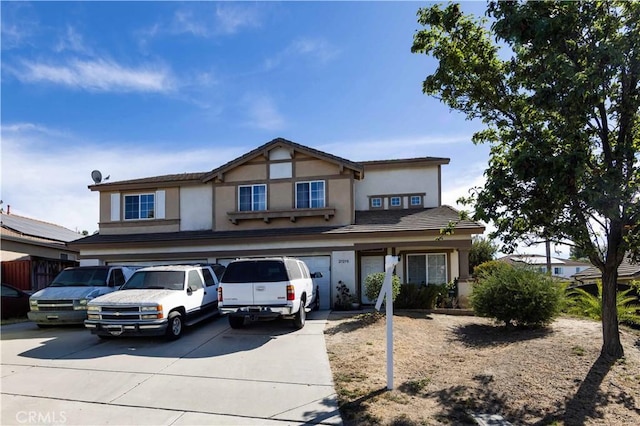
[(387, 292)]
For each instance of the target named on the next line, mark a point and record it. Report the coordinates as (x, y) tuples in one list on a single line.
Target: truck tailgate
[(270, 293), (238, 294)]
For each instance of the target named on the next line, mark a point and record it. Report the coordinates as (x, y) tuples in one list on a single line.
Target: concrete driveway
[(265, 374)]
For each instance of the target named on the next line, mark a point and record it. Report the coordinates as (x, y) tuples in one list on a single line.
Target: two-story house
[(341, 217)]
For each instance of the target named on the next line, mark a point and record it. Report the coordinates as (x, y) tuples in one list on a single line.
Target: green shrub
[(489, 267), (414, 296), (517, 296), (373, 284), (582, 303)]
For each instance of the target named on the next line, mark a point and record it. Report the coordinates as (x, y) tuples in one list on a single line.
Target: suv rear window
[(268, 271)]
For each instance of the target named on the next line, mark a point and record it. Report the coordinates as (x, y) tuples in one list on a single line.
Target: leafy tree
[(482, 250), (576, 253), (559, 93)]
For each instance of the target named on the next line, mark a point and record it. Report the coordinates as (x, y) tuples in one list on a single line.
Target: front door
[(369, 265)]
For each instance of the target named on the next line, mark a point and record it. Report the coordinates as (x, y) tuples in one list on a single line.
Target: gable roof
[(19, 226), (359, 168), (292, 146)]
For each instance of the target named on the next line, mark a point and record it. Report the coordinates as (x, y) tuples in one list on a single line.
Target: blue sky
[(138, 89)]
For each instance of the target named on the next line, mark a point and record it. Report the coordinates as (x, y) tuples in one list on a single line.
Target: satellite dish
[(96, 176)]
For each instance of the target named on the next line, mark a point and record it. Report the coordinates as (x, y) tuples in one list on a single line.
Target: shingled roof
[(627, 270)]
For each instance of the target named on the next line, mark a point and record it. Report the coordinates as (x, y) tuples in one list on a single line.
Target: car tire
[(236, 322), (175, 326), (301, 316), (316, 304)]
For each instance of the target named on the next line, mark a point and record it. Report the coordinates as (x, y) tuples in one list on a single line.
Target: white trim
[(160, 205), (115, 207)]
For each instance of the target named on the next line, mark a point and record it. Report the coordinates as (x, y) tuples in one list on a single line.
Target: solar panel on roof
[(37, 228)]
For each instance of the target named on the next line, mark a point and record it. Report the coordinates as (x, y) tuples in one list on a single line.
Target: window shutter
[(115, 207), (160, 204)]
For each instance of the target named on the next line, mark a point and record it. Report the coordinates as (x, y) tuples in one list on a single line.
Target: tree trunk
[(611, 346)]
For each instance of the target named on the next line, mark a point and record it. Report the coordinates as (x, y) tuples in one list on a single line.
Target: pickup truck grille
[(124, 313), (55, 305)]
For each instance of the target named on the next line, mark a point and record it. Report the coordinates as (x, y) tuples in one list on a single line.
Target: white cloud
[(263, 112), (72, 41), (404, 147), (231, 18), (19, 24), (44, 179), (226, 19), (97, 75), (316, 49)]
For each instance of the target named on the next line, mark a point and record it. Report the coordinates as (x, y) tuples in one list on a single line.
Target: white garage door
[(321, 264)]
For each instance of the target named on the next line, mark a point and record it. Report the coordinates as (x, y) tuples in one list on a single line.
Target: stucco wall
[(196, 208), (387, 182)]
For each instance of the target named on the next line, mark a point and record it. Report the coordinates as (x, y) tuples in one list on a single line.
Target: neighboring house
[(341, 217), (627, 272), (562, 268), (33, 252)]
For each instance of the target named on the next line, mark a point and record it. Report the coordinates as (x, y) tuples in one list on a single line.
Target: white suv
[(266, 289)]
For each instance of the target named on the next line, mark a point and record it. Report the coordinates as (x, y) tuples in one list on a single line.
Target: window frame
[(372, 203), (139, 206), (254, 202), (420, 202), (395, 197), (426, 256), (310, 193)]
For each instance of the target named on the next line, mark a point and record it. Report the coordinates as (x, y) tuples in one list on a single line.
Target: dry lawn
[(447, 367)]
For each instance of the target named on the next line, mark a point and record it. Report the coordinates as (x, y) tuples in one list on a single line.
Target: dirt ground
[(447, 367)]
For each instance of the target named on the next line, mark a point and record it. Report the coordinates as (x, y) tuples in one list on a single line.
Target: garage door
[(321, 264)]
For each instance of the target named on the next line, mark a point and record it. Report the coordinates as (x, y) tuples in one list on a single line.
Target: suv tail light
[(291, 292), (219, 294)]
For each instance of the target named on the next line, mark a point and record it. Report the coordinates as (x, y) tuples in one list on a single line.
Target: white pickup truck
[(266, 289), (64, 301), (157, 300)]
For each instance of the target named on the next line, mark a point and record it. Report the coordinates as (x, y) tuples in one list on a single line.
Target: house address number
[(343, 260)]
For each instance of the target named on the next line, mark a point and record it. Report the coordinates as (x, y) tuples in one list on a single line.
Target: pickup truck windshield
[(164, 280), (81, 277), (269, 271)]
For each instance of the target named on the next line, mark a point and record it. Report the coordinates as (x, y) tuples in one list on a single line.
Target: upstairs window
[(310, 195), (141, 206), (416, 200), (376, 203), (252, 197), (395, 202)]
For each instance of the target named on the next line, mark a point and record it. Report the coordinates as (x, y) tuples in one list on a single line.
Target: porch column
[(463, 264)]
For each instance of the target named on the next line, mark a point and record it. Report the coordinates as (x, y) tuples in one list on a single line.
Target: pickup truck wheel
[(175, 326), (301, 315), (236, 322), (316, 305)]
